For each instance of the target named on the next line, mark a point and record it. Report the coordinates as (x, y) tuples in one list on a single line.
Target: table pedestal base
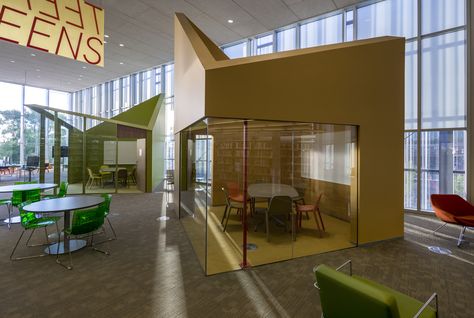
[(74, 245), (15, 219)]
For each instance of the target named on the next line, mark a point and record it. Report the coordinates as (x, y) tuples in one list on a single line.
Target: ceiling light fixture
[(121, 63), (121, 44), (84, 67), (33, 54), (105, 42), (12, 61), (230, 21), (106, 35)]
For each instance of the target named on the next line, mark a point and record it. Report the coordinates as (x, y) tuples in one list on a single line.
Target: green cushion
[(345, 296), (407, 306)]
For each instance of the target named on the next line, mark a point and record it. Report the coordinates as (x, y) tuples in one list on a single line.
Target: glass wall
[(299, 179)]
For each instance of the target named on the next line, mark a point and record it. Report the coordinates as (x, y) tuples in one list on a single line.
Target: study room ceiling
[(145, 28)]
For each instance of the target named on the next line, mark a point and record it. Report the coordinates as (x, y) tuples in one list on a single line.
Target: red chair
[(301, 208), (451, 208)]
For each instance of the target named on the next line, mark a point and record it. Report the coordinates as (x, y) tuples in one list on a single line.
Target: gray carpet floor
[(152, 272)]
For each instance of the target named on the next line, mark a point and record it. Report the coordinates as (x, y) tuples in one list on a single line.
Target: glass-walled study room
[(90, 154), (255, 192)]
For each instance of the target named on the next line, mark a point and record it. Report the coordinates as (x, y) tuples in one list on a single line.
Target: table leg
[(67, 244)]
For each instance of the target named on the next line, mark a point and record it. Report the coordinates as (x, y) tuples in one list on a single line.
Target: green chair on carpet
[(346, 296), (30, 222), (61, 194), (85, 224)]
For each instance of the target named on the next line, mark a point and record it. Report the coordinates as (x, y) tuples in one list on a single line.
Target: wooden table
[(64, 205)]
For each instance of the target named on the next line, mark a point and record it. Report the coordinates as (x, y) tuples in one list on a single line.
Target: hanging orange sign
[(69, 28)]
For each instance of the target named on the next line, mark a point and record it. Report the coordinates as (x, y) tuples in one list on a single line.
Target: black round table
[(65, 205), (24, 187)]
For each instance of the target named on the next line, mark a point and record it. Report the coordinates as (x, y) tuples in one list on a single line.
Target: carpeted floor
[(152, 272)]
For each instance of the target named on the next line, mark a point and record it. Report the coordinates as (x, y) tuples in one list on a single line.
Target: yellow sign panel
[(70, 28)]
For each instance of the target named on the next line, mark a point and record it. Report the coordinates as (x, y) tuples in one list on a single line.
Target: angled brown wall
[(359, 83)]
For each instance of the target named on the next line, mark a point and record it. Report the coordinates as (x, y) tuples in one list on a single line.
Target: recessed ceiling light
[(84, 67), (121, 44), (79, 79), (121, 63), (230, 21), (105, 42), (106, 35), (12, 61), (33, 54)]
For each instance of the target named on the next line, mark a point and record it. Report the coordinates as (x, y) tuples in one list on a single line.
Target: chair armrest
[(349, 262), (434, 296)]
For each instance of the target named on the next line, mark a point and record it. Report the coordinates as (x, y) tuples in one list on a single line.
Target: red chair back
[(449, 206)]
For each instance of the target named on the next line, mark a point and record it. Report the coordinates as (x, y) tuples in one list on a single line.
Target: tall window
[(264, 45), (236, 50), (323, 31), (286, 40)]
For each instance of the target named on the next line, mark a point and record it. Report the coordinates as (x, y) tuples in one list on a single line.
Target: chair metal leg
[(461, 236), (16, 245), (23, 257), (95, 248), (112, 228), (227, 219), (223, 216), (267, 226), (439, 227)]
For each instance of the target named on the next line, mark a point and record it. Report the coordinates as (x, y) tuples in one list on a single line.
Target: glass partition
[(194, 188), (256, 192), (92, 155)]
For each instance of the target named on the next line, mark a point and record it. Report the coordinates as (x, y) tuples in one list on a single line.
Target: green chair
[(29, 221), (18, 197), (61, 194), (108, 200), (85, 224), (344, 296)]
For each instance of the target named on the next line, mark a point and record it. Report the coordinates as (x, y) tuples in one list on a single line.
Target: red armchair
[(451, 208)]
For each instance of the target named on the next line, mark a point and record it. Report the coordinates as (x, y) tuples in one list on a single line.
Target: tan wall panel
[(361, 85), (189, 78)]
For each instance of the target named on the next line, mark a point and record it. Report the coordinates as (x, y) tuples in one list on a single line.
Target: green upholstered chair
[(344, 296), (85, 224), (30, 222), (61, 194)]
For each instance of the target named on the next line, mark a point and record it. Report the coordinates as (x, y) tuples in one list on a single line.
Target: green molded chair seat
[(87, 220), (344, 296), (61, 194)]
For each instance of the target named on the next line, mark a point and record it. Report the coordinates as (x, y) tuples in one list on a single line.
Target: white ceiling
[(145, 27)]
